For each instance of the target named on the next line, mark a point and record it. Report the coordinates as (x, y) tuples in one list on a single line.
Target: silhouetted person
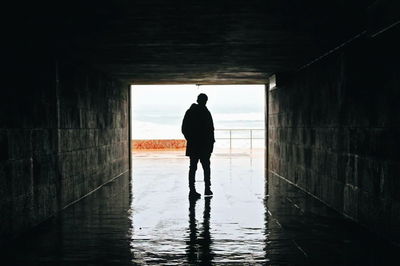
[(198, 129)]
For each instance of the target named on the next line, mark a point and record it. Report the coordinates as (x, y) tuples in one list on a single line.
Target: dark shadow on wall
[(334, 130), (63, 133)]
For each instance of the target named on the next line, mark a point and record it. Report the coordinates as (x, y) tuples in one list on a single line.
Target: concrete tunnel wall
[(63, 133), (334, 130)]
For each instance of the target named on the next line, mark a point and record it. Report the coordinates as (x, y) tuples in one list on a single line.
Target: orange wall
[(159, 144)]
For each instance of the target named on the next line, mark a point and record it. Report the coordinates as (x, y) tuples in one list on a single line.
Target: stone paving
[(149, 220)]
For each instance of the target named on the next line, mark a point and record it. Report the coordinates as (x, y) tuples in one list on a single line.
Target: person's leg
[(205, 162), (192, 176)]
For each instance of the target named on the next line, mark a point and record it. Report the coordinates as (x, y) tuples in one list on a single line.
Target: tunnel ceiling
[(159, 41)]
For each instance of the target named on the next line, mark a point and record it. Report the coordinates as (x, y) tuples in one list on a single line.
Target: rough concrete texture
[(93, 134), (58, 141), (334, 127), (191, 42)]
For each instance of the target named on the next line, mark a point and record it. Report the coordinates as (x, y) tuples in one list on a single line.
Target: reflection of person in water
[(199, 247), (198, 129), (205, 241), (192, 242)]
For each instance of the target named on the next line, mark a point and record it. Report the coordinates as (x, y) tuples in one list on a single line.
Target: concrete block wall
[(63, 133), (93, 131), (28, 149), (334, 130)]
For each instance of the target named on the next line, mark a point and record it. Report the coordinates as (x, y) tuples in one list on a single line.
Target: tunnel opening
[(239, 119), (161, 207), (238, 112)]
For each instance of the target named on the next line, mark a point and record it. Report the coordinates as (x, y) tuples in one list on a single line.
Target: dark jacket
[(198, 129)]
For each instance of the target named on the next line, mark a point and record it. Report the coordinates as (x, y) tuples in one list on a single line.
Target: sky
[(220, 97)]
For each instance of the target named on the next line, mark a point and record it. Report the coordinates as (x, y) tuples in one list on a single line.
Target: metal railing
[(250, 136)]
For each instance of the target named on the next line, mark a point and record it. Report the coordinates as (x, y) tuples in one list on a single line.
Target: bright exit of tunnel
[(238, 112), (203, 231)]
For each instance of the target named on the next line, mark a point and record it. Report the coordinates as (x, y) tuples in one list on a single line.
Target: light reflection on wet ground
[(229, 227), (151, 221)]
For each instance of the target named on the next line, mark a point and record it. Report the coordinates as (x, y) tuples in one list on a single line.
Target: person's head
[(202, 99)]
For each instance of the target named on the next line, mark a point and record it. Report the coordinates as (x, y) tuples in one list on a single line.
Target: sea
[(234, 127)]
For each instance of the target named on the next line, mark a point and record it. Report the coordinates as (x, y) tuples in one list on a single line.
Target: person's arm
[(185, 127), (212, 127)]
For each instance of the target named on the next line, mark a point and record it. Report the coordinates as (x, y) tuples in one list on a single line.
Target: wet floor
[(149, 220)]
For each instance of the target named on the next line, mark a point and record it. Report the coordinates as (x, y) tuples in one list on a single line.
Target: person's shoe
[(208, 192), (193, 194)]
